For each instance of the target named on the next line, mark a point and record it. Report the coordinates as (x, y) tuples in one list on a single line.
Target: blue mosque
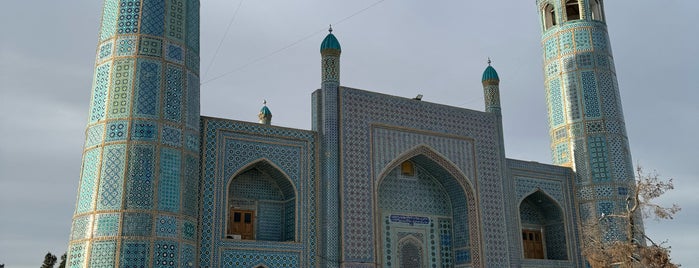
[(379, 180)]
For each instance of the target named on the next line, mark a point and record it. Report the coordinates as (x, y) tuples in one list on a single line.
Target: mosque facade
[(379, 180)]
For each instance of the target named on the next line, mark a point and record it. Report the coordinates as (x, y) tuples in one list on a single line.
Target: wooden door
[(241, 223), (533, 244)]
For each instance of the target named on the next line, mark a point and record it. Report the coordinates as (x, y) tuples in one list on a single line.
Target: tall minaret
[(585, 116), (137, 199), (326, 116)]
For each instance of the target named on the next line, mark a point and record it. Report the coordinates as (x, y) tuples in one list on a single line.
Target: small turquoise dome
[(330, 42), (265, 111), (490, 74)]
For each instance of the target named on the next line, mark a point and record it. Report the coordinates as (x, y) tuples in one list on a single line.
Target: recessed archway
[(261, 204), (543, 228), (434, 201)]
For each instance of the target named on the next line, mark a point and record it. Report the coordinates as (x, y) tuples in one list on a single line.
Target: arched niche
[(572, 8), (549, 16), (434, 200), (543, 228), (261, 204)]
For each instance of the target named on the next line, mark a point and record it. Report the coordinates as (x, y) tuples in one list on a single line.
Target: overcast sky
[(435, 48)]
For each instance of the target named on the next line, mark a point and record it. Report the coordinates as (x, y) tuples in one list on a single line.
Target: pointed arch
[(411, 252), (543, 227), (548, 12), (457, 188), (261, 203)]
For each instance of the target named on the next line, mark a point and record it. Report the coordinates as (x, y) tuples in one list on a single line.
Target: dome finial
[(489, 61), (330, 29), (264, 102)]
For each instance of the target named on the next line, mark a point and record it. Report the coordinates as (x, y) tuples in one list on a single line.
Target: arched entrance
[(425, 213), (543, 228), (261, 204)]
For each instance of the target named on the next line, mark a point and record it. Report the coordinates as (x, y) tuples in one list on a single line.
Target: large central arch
[(436, 203)]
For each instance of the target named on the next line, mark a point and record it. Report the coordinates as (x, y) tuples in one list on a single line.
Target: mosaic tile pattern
[(360, 109), (106, 225), (238, 146), (103, 253), (134, 156), (134, 254), (597, 137)]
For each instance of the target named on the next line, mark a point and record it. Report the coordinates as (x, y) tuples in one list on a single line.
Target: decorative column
[(137, 199), (326, 116), (586, 121)]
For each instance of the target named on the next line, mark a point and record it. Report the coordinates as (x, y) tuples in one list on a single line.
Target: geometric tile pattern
[(165, 254), (169, 182), (77, 254), (153, 16), (120, 93), (102, 254), (147, 89), (99, 92), (239, 146), (128, 16), (598, 137), (126, 46), (134, 254), (361, 109), (174, 20), (173, 93), (109, 19), (249, 258), (106, 225), (112, 177), (86, 191), (137, 224), (144, 130), (140, 181), (150, 47), (134, 157), (413, 195), (166, 226)]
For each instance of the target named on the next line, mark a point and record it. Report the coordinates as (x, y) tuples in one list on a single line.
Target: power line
[(290, 45), (235, 14)]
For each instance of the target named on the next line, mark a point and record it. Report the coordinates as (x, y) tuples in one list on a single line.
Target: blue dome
[(265, 111), (490, 74), (330, 42)]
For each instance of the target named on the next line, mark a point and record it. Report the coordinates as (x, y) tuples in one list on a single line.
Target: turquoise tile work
[(379, 181), (593, 115), (136, 168)]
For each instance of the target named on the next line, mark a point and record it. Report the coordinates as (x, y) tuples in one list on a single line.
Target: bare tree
[(637, 250)]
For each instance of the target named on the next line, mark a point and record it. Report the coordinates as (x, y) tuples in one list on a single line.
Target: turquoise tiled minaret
[(585, 116), (491, 90), (139, 184), (326, 120)]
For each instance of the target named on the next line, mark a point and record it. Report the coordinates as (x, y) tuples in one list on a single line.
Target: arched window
[(410, 253), (572, 10), (543, 229), (596, 8), (549, 14), (261, 205)]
